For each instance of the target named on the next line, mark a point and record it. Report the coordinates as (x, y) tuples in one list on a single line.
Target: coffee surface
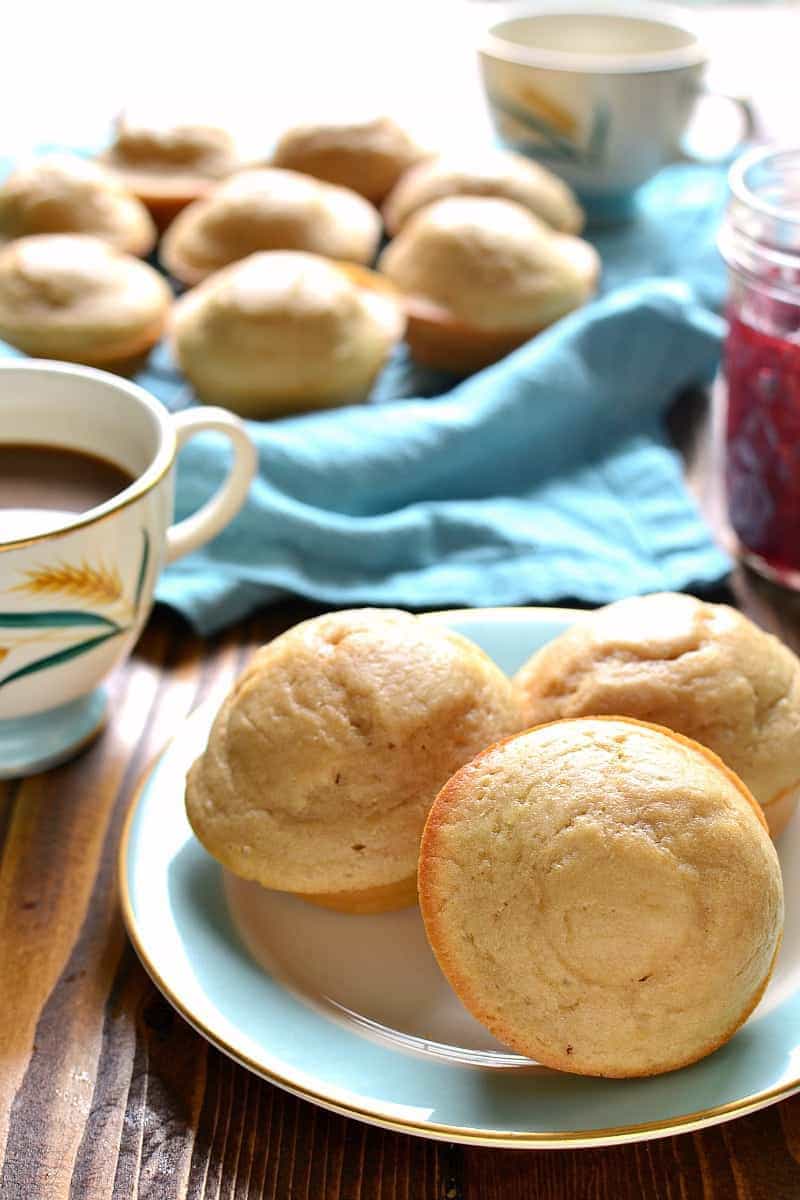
[(45, 487)]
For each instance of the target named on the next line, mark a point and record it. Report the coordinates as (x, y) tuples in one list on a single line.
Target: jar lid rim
[(746, 195)]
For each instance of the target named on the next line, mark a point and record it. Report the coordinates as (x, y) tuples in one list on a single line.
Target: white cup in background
[(600, 92)]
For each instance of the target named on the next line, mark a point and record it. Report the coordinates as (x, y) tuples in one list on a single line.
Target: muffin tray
[(353, 1013)]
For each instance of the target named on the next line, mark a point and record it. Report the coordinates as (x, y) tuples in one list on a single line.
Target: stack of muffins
[(589, 842), (291, 305)]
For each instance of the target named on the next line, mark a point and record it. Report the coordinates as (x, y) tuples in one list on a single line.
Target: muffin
[(326, 756), (481, 276), (167, 165), (269, 209), (283, 331), (74, 297), (498, 173), (368, 156), (62, 193), (602, 895), (702, 669)]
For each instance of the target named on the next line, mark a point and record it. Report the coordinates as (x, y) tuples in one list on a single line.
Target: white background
[(68, 65)]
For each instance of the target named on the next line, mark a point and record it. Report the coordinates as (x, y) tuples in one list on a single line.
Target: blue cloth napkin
[(674, 233), (546, 477), (542, 478)]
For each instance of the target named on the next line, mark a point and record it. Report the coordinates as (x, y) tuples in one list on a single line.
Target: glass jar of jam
[(760, 241)]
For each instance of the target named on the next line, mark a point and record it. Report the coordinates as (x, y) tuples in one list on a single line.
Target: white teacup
[(600, 92), (75, 591)]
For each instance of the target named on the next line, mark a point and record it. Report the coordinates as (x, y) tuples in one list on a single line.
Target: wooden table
[(106, 1093)]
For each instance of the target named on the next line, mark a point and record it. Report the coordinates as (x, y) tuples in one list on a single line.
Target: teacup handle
[(223, 506), (749, 124)]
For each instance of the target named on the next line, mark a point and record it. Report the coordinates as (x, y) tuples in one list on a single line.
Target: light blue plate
[(352, 1012)]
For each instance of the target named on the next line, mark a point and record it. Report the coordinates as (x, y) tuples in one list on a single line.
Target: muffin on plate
[(167, 164), (480, 276), (284, 331), (269, 209), (702, 669), (327, 754), (602, 895), (63, 193), (486, 172), (367, 155), (74, 297)]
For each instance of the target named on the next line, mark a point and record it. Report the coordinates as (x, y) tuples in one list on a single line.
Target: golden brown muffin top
[(327, 754), (159, 158), (78, 288), (201, 149), (485, 172), (367, 155), (703, 669), (490, 263), (603, 895), (286, 323), (269, 209), (63, 193)]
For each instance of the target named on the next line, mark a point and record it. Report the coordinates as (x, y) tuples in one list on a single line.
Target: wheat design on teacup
[(535, 123), (97, 585)]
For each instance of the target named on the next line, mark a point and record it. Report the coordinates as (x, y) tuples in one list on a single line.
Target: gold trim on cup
[(144, 483)]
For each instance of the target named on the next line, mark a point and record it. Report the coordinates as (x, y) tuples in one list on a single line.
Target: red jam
[(762, 467)]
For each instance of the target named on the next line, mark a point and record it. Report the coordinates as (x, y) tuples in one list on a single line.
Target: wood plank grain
[(41, 912), (252, 1140), (701, 1166), (59, 852), (57, 855), (790, 1120), (760, 1157)]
